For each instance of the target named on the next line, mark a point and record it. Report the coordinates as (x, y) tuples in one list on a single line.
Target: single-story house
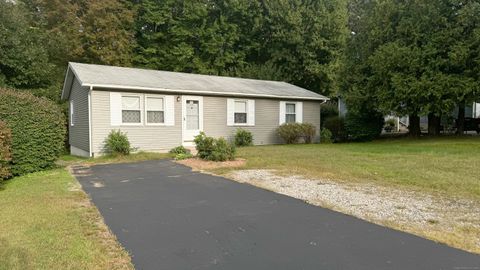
[(160, 110)]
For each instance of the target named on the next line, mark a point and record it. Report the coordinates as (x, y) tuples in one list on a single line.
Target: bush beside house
[(214, 149), (243, 137), (363, 126), (38, 130), (117, 143), (5, 151), (293, 132)]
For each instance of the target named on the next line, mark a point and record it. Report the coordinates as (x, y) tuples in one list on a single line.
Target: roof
[(112, 77)]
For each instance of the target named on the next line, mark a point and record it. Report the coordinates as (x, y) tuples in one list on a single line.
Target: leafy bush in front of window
[(308, 132), (214, 149), (38, 130), (243, 137), (363, 126), (293, 132), (325, 136), (179, 150), (5, 153), (117, 143), (336, 125), (290, 132)]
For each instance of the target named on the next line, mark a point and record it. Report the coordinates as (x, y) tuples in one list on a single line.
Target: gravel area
[(452, 221)]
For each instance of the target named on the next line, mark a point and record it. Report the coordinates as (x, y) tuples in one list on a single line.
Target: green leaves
[(412, 57), (38, 130)]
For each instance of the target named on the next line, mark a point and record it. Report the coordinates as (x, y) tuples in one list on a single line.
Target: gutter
[(193, 92)]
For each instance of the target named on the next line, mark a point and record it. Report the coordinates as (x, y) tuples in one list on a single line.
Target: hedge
[(5, 151), (38, 130), (363, 126)]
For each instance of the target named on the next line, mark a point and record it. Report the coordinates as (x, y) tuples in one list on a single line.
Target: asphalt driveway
[(169, 217)]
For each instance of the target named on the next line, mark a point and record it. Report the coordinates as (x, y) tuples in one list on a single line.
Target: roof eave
[(212, 93)]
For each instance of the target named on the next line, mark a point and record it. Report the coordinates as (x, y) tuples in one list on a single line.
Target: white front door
[(192, 112)]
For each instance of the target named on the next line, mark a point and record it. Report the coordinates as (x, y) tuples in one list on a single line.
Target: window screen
[(131, 109), (240, 113), (155, 110)]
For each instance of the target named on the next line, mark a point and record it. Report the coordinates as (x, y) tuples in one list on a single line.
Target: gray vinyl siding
[(79, 132), (311, 114), (143, 137), (162, 138), (266, 119)]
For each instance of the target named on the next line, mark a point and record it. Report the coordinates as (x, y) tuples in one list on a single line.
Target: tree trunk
[(461, 118), (414, 127), (433, 125)]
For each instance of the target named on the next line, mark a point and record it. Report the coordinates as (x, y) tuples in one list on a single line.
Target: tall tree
[(305, 39), (412, 57), (24, 62), (206, 36), (93, 31)]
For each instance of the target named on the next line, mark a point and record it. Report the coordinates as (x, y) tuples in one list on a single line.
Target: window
[(131, 110), (240, 112), (72, 121), (155, 110), (290, 114)]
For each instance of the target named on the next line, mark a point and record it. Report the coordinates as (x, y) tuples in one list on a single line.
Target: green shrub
[(327, 110), (179, 150), (204, 145), (182, 156), (290, 132), (325, 136), (117, 143), (336, 125), (38, 130), (214, 149), (308, 132), (363, 126), (243, 137), (5, 151)]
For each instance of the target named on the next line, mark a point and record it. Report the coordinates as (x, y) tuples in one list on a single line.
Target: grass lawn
[(47, 222), (449, 165)]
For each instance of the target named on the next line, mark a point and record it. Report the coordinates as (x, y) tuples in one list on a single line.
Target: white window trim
[(286, 113), (164, 110), (141, 114), (72, 114), (283, 111), (246, 112)]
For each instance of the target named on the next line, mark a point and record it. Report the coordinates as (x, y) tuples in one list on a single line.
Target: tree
[(412, 57), (305, 39), (24, 62), (92, 31), (210, 37)]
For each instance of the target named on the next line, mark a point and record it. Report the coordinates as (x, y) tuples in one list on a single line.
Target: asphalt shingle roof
[(112, 77)]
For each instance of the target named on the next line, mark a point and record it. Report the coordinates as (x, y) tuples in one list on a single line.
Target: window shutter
[(169, 110), (115, 109), (230, 111), (282, 112), (251, 112), (299, 112)]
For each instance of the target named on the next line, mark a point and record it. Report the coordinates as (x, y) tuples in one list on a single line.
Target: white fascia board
[(75, 75), (193, 92)]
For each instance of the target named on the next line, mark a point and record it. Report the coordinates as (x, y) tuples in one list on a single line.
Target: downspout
[(90, 122)]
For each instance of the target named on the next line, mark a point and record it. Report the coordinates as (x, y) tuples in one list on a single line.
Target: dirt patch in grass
[(453, 221), (199, 164)]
